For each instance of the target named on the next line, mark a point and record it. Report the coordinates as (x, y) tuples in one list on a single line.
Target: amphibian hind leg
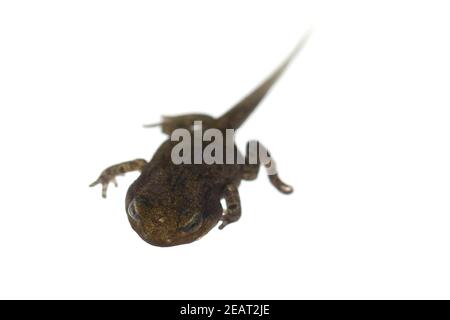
[(109, 174), (253, 160), (186, 121), (233, 211)]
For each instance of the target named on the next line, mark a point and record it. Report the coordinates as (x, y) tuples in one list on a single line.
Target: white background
[(359, 126)]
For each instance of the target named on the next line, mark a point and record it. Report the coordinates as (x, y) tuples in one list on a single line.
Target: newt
[(173, 204)]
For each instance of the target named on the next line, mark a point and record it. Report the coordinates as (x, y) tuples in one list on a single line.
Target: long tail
[(234, 118)]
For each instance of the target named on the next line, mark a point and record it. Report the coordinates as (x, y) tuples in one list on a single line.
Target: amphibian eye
[(132, 213), (193, 224)]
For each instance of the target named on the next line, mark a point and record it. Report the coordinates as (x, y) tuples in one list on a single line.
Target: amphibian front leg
[(253, 160), (233, 211), (109, 174)]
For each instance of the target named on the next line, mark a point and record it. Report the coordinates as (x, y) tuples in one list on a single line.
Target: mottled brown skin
[(173, 204)]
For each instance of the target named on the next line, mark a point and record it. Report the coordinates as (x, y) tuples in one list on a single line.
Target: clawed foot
[(233, 211), (227, 219), (280, 185), (230, 215), (109, 174), (105, 179)]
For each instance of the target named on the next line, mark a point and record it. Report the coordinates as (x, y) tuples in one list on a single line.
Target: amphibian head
[(164, 220)]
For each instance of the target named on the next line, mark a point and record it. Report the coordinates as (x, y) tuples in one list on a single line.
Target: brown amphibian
[(177, 203)]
